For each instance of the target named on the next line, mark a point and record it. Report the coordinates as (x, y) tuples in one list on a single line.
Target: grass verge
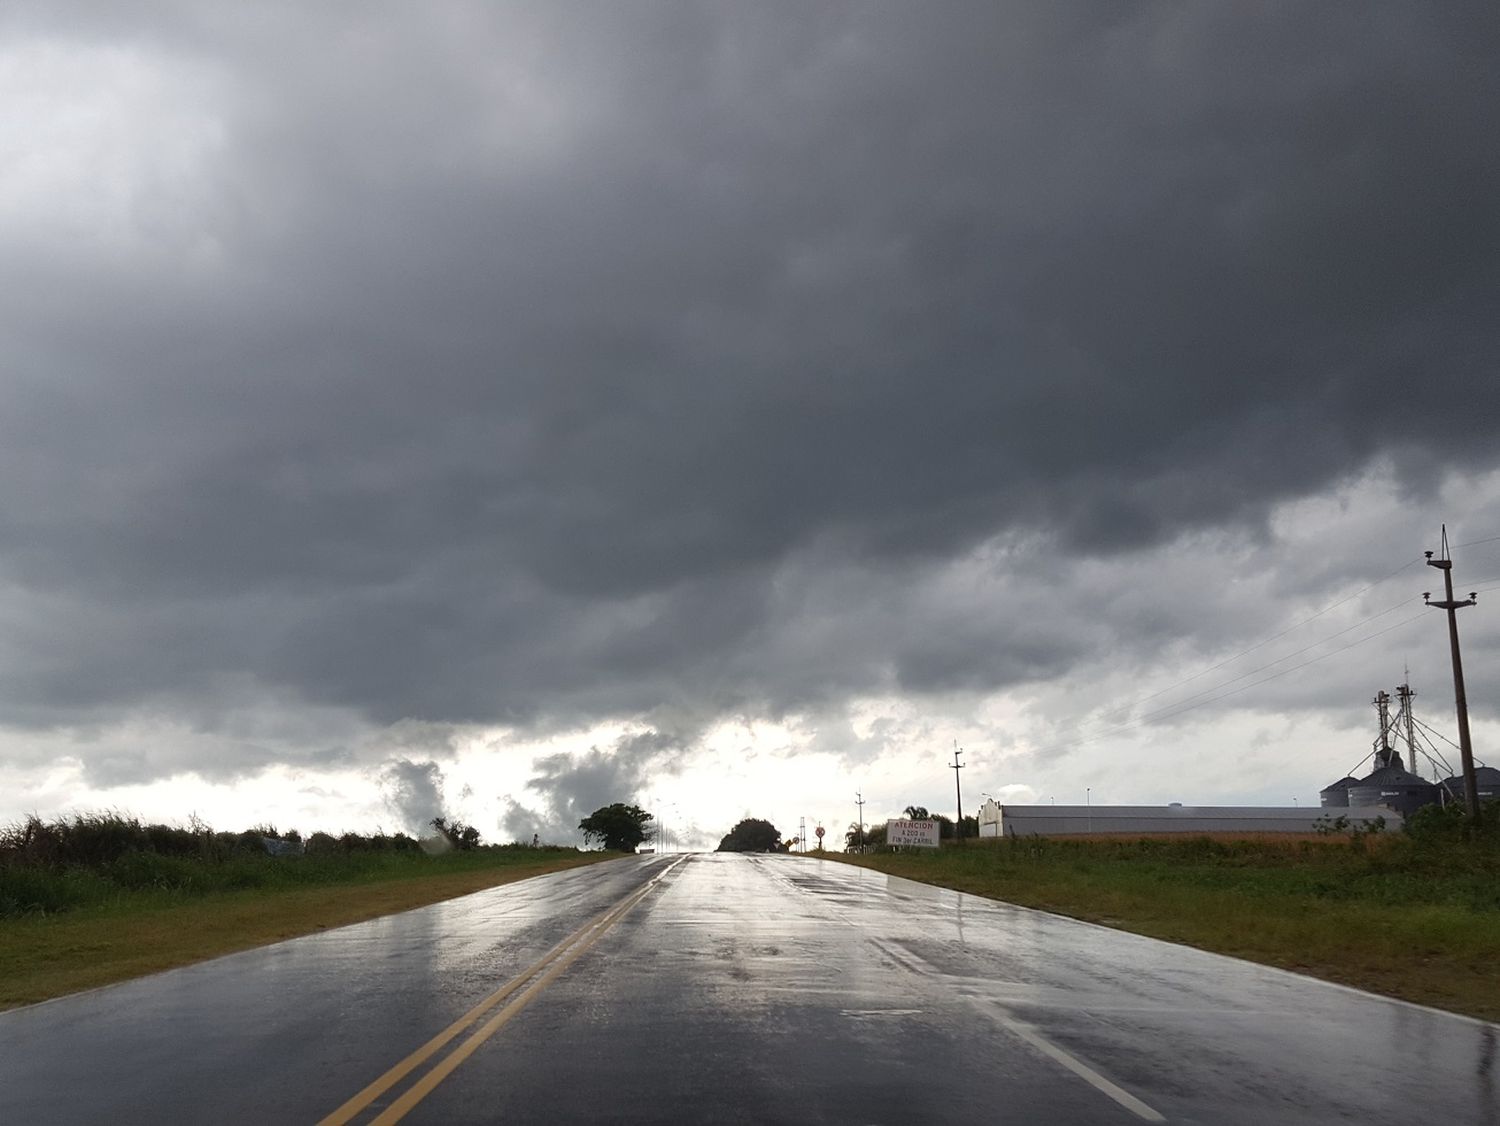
[(1386, 915), (49, 955)]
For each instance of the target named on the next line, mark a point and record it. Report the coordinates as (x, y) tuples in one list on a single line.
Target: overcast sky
[(504, 409)]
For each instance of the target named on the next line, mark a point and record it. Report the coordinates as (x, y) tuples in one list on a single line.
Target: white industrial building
[(997, 820)]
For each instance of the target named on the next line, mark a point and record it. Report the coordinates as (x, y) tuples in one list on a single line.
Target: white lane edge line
[(1081, 1069)]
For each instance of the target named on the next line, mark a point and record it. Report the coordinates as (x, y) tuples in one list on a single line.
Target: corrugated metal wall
[(1068, 820)]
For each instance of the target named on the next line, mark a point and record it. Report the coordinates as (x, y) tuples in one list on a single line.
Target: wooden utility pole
[(1460, 700), (859, 800), (958, 828)]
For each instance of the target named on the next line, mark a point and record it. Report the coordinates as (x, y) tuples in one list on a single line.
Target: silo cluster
[(1336, 795), (1395, 787), (1389, 784)]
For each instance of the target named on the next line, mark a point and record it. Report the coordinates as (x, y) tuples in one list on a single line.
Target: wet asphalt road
[(740, 989)]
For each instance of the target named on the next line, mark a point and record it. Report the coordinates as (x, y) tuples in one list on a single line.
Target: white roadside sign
[(922, 834)]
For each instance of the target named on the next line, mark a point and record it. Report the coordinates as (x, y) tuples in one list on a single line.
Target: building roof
[(1342, 784), (1486, 781), (1393, 776), (1484, 775)]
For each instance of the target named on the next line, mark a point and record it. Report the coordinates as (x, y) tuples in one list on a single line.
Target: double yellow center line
[(519, 991)]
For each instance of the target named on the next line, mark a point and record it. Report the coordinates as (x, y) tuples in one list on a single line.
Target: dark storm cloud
[(413, 791), (575, 785), (509, 364)]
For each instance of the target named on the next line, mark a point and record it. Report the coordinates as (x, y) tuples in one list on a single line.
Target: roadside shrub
[(1438, 824), (172, 841), (33, 891), (30, 842), (97, 838), (108, 859), (140, 870), (94, 839), (320, 844), (241, 873)]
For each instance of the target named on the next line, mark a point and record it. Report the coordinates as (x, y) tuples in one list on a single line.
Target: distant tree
[(917, 813), (460, 836), (945, 826), (751, 835), (618, 827), (873, 835), (1446, 823)]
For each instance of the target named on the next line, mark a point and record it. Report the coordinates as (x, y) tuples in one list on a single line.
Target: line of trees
[(91, 839), (621, 827)]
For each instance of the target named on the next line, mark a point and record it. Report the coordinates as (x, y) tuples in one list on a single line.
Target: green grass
[(1416, 920), (75, 926)]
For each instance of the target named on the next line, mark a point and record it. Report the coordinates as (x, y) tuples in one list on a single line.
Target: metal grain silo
[(1487, 777), (1336, 795), (1394, 787)]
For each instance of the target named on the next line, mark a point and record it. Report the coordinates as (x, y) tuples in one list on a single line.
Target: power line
[(1278, 636), (1208, 695), (1303, 665), (1287, 657), (1178, 705), (1175, 709), (1298, 625)]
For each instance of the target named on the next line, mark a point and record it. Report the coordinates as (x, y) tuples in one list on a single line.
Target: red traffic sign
[(819, 832)]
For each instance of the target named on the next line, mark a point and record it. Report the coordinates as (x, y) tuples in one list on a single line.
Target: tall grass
[(111, 859)]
